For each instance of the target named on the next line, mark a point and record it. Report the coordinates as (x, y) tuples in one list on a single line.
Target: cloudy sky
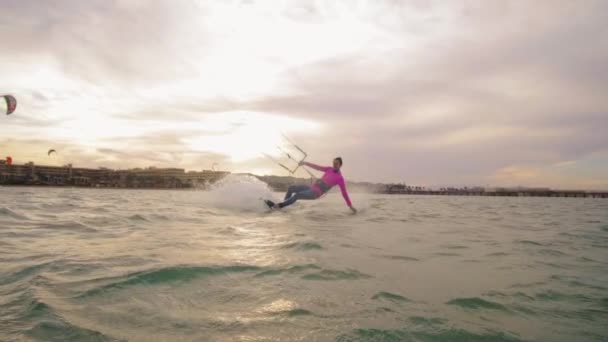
[(500, 93)]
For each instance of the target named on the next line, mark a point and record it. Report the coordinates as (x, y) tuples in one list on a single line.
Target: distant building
[(152, 177)]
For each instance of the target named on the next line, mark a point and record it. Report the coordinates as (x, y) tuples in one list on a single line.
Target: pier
[(400, 189)]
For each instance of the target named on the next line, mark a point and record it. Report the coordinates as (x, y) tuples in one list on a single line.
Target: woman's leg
[(308, 194), (295, 188)]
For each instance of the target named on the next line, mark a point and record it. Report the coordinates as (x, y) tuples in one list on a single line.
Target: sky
[(435, 93)]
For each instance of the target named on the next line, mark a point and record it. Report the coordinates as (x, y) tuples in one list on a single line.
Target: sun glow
[(251, 135)]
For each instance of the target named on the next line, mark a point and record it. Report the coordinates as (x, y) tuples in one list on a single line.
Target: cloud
[(101, 41), (426, 92), (472, 102)]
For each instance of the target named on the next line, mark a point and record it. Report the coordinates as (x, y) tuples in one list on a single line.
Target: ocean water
[(160, 265)]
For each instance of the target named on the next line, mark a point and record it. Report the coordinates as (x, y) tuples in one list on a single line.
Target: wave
[(59, 330), (349, 274), (586, 259), (24, 273), (384, 310), (188, 273), (390, 296), (317, 274), (22, 305), (377, 219), (40, 321), (68, 226), (555, 296), (575, 282), (473, 261), (290, 270), (399, 257), (555, 265), (375, 335), (165, 275), (529, 242), (477, 303), (447, 254), (297, 312), (303, 246), (552, 252), (497, 254), (419, 320), (522, 296), (229, 230), (138, 217), (454, 247), (284, 308), (6, 212), (358, 335), (160, 217)]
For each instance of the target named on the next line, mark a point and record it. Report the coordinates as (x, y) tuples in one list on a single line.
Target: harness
[(322, 185)]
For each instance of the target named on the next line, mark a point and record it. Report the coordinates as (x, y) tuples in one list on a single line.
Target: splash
[(238, 192)]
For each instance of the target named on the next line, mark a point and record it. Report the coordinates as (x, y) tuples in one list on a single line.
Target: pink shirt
[(331, 177)]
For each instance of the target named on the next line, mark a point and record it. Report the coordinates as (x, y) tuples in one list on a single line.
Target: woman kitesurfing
[(331, 177)]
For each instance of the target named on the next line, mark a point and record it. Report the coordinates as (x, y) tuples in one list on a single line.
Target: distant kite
[(51, 151), (11, 103)]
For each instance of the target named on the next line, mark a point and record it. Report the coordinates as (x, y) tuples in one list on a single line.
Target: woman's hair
[(339, 159)]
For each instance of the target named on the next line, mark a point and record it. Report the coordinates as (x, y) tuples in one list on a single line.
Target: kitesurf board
[(268, 204)]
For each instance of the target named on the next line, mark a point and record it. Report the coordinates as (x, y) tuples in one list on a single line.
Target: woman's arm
[(315, 166), (345, 193)]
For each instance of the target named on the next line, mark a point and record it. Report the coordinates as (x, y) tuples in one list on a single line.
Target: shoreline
[(504, 193), (508, 193)]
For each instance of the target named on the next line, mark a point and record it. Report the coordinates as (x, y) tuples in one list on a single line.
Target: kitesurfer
[(331, 177)]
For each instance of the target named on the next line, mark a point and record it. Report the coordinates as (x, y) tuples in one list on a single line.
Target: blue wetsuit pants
[(297, 192)]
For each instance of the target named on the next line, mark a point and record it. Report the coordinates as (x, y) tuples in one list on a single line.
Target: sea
[(79, 264)]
